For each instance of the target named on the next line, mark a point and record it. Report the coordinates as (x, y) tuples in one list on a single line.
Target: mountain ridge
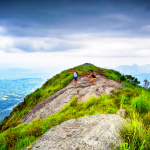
[(55, 102), (17, 135), (134, 69), (48, 88)]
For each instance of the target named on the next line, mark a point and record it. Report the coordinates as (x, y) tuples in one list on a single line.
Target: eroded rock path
[(84, 90), (97, 132)]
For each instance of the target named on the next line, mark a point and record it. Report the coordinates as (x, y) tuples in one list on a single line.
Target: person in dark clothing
[(93, 76)]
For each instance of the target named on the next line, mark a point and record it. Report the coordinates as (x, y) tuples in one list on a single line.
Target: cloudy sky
[(67, 33)]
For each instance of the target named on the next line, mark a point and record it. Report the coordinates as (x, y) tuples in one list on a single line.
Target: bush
[(123, 78), (133, 80)]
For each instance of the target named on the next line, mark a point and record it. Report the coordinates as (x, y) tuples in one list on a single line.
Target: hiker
[(75, 76), (93, 76)]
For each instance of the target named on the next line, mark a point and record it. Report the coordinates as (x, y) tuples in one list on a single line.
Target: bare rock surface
[(28, 148), (122, 112), (97, 132), (84, 89)]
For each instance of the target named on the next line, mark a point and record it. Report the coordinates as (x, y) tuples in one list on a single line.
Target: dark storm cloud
[(45, 18)]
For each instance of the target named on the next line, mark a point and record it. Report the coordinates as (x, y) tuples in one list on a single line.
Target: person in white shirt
[(75, 76)]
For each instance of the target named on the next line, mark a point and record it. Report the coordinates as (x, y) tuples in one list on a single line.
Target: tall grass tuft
[(73, 102), (141, 103), (135, 135)]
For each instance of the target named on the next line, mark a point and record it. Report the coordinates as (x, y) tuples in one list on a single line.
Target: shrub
[(123, 78)]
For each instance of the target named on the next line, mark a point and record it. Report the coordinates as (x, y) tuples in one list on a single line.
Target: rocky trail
[(97, 132), (84, 90)]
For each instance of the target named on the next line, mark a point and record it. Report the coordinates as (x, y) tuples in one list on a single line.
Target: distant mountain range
[(140, 72), (134, 69)]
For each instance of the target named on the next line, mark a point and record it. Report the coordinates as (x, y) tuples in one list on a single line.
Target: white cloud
[(79, 45), (73, 50), (61, 61), (37, 44), (110, 47), (2, 30), (6, 43), (146, 28)]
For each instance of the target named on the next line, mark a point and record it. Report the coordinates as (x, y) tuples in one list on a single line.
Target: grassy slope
[(52, 85), (134, 99)]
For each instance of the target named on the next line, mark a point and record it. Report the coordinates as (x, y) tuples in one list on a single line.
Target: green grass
[(24, 135), (141, 103), (135, 99), (51, 86), (136, 134)]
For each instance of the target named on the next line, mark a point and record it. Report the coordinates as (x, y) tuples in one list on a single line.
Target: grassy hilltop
[(135, 99)]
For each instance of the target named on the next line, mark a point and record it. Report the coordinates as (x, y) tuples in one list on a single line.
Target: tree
[(146, 84), (132, 80)]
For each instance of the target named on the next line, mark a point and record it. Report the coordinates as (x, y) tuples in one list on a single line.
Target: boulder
[(84, 90), (122, 112), (97, 132), (28, 148), (129, 120)]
